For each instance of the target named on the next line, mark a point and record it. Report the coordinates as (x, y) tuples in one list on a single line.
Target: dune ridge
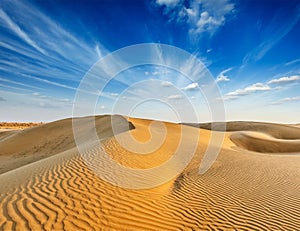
[(259, 137), (18, 148), (241, 191)]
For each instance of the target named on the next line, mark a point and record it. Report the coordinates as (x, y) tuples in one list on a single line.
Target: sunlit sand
[(254, 183)]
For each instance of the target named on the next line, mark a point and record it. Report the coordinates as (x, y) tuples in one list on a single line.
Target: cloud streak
[(47, 50), (19, 32), (275, 31), (257, 87), (285, 79), (286, 100), (173, 97)]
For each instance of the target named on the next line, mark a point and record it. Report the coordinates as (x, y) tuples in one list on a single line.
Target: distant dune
[(260, 137), (253, 185)]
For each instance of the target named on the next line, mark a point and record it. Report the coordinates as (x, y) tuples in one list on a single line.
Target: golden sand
[(243, 190)]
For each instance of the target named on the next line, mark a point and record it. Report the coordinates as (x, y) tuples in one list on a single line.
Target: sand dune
[(18, 148), (279, 131), (260, 137), (261, 142), (241, 191)]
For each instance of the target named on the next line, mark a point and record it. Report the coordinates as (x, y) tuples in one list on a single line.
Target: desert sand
[(45, 184)]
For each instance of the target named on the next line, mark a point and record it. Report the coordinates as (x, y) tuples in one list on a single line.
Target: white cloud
[(257, 87), (288, 99), (222, 77), (201, 16), (168, 3), (191, 86), (175, 97), (283, 80), (166, 84), (2, 99), (261, 87), (102, 107), (36, 94)]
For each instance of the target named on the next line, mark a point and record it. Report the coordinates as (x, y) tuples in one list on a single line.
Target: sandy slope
[(18, 148), (242, 190), (264, 143), (260, 137)]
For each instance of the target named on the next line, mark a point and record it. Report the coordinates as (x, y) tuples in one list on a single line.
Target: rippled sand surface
[(244, 189)]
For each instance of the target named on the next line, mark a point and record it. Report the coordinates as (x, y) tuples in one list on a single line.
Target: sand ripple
[(239, 192)]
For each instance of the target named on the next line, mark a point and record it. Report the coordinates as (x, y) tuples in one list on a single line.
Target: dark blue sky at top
[(254, 42), (121, 23)]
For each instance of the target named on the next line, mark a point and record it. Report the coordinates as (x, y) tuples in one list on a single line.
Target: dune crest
[(18, 148)]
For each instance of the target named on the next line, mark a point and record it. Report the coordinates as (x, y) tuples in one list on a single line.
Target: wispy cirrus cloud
[(286, 100), (18, 83), (46, 50), (8, 88), (18, 31), (50, 82), (275, 31), (292, 62)]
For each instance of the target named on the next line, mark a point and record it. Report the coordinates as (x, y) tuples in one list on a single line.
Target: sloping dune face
[(260, 137), (18, 148), (260, 142), (241, 191), (267, 138)]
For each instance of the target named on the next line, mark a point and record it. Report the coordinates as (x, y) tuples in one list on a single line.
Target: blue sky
[(250, 47)]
